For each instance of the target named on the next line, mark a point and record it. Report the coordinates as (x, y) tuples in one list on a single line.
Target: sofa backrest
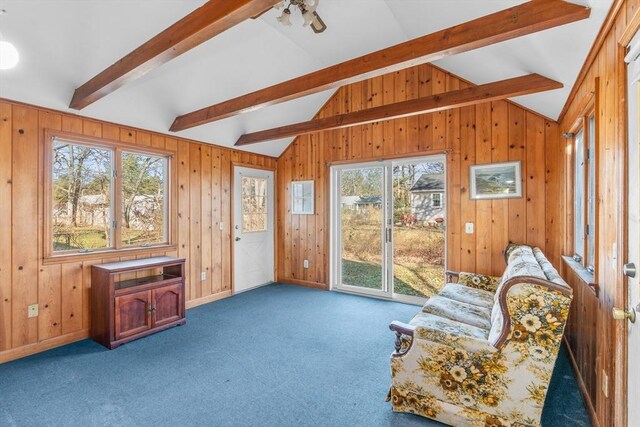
[(526, 266)]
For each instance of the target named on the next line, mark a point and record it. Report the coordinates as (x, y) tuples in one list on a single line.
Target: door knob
[(622, 314), (237, 239), (629, 269)]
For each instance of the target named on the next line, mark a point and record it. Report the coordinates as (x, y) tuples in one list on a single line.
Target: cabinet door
[(133, 314), (168, 304)]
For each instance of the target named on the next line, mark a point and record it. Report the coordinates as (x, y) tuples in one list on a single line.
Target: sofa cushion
[(522, 262), (459, 311), (547, 268), (466, 294), (515, 249), (437, 323), (479, 281)]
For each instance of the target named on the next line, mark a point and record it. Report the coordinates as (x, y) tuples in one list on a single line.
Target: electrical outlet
[(306, 263), (468, 228), (32, 310), (221, 226), (605, 384), (203, 276)]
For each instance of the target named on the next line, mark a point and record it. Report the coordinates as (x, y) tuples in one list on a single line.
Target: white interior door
[(633, 238), (253, 228)]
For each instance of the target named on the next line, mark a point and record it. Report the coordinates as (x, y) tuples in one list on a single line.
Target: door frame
[(621, 358), (335, 215), (621, 297), (232, 223), (335, 239)]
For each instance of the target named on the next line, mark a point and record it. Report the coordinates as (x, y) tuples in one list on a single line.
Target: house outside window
[(104, 196), (427, 198)]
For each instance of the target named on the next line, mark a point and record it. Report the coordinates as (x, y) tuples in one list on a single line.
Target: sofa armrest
[(479, 281), (404, 336), (451, 275)]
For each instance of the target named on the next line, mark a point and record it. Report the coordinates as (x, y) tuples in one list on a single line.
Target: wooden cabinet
[(124, 310), (168, 304), (133, 314)]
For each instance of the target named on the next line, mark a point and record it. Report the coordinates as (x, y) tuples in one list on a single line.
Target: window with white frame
[(302, 197), (584, 190), (436, 200)]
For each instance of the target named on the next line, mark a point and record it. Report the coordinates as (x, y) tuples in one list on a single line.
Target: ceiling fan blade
[(318, 25)]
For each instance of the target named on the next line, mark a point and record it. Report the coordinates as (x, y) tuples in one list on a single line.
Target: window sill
[(68, 257), (586, 277)]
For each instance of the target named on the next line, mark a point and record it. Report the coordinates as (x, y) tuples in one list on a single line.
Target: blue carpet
[(275, 356)]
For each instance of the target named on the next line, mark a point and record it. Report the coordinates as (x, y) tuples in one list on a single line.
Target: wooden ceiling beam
[(518, 86), (527, 18), (209, 20)]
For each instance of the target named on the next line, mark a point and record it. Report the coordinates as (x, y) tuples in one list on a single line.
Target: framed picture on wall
[(495, 181), (302, 198)]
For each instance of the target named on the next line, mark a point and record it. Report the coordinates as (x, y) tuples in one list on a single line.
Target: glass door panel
[(362, 219), (419, 221)]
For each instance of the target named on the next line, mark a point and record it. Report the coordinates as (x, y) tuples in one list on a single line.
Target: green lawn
[(422, 280), (94, 238), (419, 253)]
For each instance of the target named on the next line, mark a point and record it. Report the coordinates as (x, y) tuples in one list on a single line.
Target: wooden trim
[(583, 388), (507, 24), (593, 54), (580, 272), (588, 107), (630, 31), (205, 300), (118, 148), (621, 342), (133, 128), (249, 165), (206, 22), (305, 283), (108, 253), (518, 86), (389, 157), (29, 349), (104, 142), (596, 182)]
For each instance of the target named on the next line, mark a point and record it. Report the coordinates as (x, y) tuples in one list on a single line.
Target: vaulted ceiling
[(64, 43)]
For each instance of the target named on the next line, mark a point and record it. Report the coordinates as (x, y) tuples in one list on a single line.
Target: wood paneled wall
[(486, 133), (595, 339), (62, 288)]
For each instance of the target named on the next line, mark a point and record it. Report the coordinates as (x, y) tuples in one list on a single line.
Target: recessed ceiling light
[(8, 55)]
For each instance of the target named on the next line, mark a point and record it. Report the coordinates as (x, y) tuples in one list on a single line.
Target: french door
[(388, 228)]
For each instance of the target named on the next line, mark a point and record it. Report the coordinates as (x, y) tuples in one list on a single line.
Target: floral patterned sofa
[(481, 352)]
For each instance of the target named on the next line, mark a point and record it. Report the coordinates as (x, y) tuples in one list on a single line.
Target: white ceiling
[(63, 43)]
